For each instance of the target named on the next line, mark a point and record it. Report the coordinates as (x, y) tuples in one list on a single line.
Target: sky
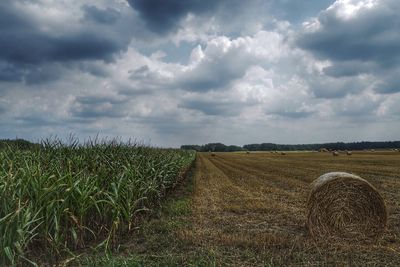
[(173, 72)]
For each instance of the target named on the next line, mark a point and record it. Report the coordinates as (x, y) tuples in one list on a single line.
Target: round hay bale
[(346, 206), (213, 154), (349, 153), (247, 152), (283, 153), (335, 153)]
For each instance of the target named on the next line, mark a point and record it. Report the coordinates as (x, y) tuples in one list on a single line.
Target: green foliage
[(18, 144), (199, 259), (179, 207), (212, 147), (332, 146), (218, 147), (59, 197)]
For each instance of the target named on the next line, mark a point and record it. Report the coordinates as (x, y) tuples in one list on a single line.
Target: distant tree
[(191, 147), (219, 147), (18, 144)]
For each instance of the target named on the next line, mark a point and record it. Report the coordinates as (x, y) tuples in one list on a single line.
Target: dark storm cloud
[(25, 47), (85, 45), (162, 16), (105, 16)]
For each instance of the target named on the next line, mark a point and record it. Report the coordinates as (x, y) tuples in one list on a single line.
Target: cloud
[(389, 82), (390, 107), (36, 120), (94, 68), (296, 11), (34, 40), (166, 16), (357, 37), (44, 74), (162, 16), (98, 15), (357, 106), (2, 109), (30, 46), (224, 60), (212, 106), (10, 73), (350, 68), (328, 87), (92, 107)]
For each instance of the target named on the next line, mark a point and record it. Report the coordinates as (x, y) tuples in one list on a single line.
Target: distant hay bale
[(247, 152), (344, 205), (335, 153), (283, 153), (323, 150), (213, 154), (372, 150), (349, 153)]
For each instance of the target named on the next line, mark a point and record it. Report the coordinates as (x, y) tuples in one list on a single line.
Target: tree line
[(219, 147), (17, 143)]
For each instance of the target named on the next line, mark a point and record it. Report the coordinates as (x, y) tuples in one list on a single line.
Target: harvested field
[(251, 209)]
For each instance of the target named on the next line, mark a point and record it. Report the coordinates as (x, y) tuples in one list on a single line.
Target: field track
[(257, 202)]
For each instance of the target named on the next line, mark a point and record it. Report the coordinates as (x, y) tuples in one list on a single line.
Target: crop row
[(58, 197)]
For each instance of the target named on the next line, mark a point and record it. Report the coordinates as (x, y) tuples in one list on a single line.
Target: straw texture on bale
[(343, 205)]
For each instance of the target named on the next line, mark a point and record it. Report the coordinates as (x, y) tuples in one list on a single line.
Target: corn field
[(61, 197)]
